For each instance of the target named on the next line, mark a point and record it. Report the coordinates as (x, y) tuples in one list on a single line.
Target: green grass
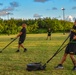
[(39, 49)]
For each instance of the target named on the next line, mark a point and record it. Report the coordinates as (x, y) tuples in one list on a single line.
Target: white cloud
[(10, 8), (14, 4), (37, 16), (3, 13), (74, 0), (1, 4), (74, 7), (54, 8), (70, 18), (41, 1)]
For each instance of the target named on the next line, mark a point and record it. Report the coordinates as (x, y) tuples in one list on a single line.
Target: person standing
[(48, 34), (70, 49), (22, 36)]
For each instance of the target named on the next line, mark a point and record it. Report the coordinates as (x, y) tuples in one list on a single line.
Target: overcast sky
[(29, 9)]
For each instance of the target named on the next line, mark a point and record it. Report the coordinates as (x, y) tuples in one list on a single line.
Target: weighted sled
[(35, 66)]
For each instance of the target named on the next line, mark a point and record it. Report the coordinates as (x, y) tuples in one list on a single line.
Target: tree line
[(13, 26)]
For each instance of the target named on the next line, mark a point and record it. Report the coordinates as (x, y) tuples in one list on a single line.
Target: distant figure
[(49, 34), (22, 36)]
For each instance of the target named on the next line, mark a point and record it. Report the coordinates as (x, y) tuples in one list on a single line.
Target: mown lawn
[(39, 50)]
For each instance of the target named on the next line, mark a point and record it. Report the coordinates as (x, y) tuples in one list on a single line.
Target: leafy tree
[(32, 28), (13, 26), (1, 28)]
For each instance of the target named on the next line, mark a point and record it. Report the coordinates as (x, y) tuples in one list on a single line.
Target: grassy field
[(39, 49)]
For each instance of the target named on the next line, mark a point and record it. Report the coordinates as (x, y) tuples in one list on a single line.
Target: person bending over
[(22, 36), (70, 49)]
